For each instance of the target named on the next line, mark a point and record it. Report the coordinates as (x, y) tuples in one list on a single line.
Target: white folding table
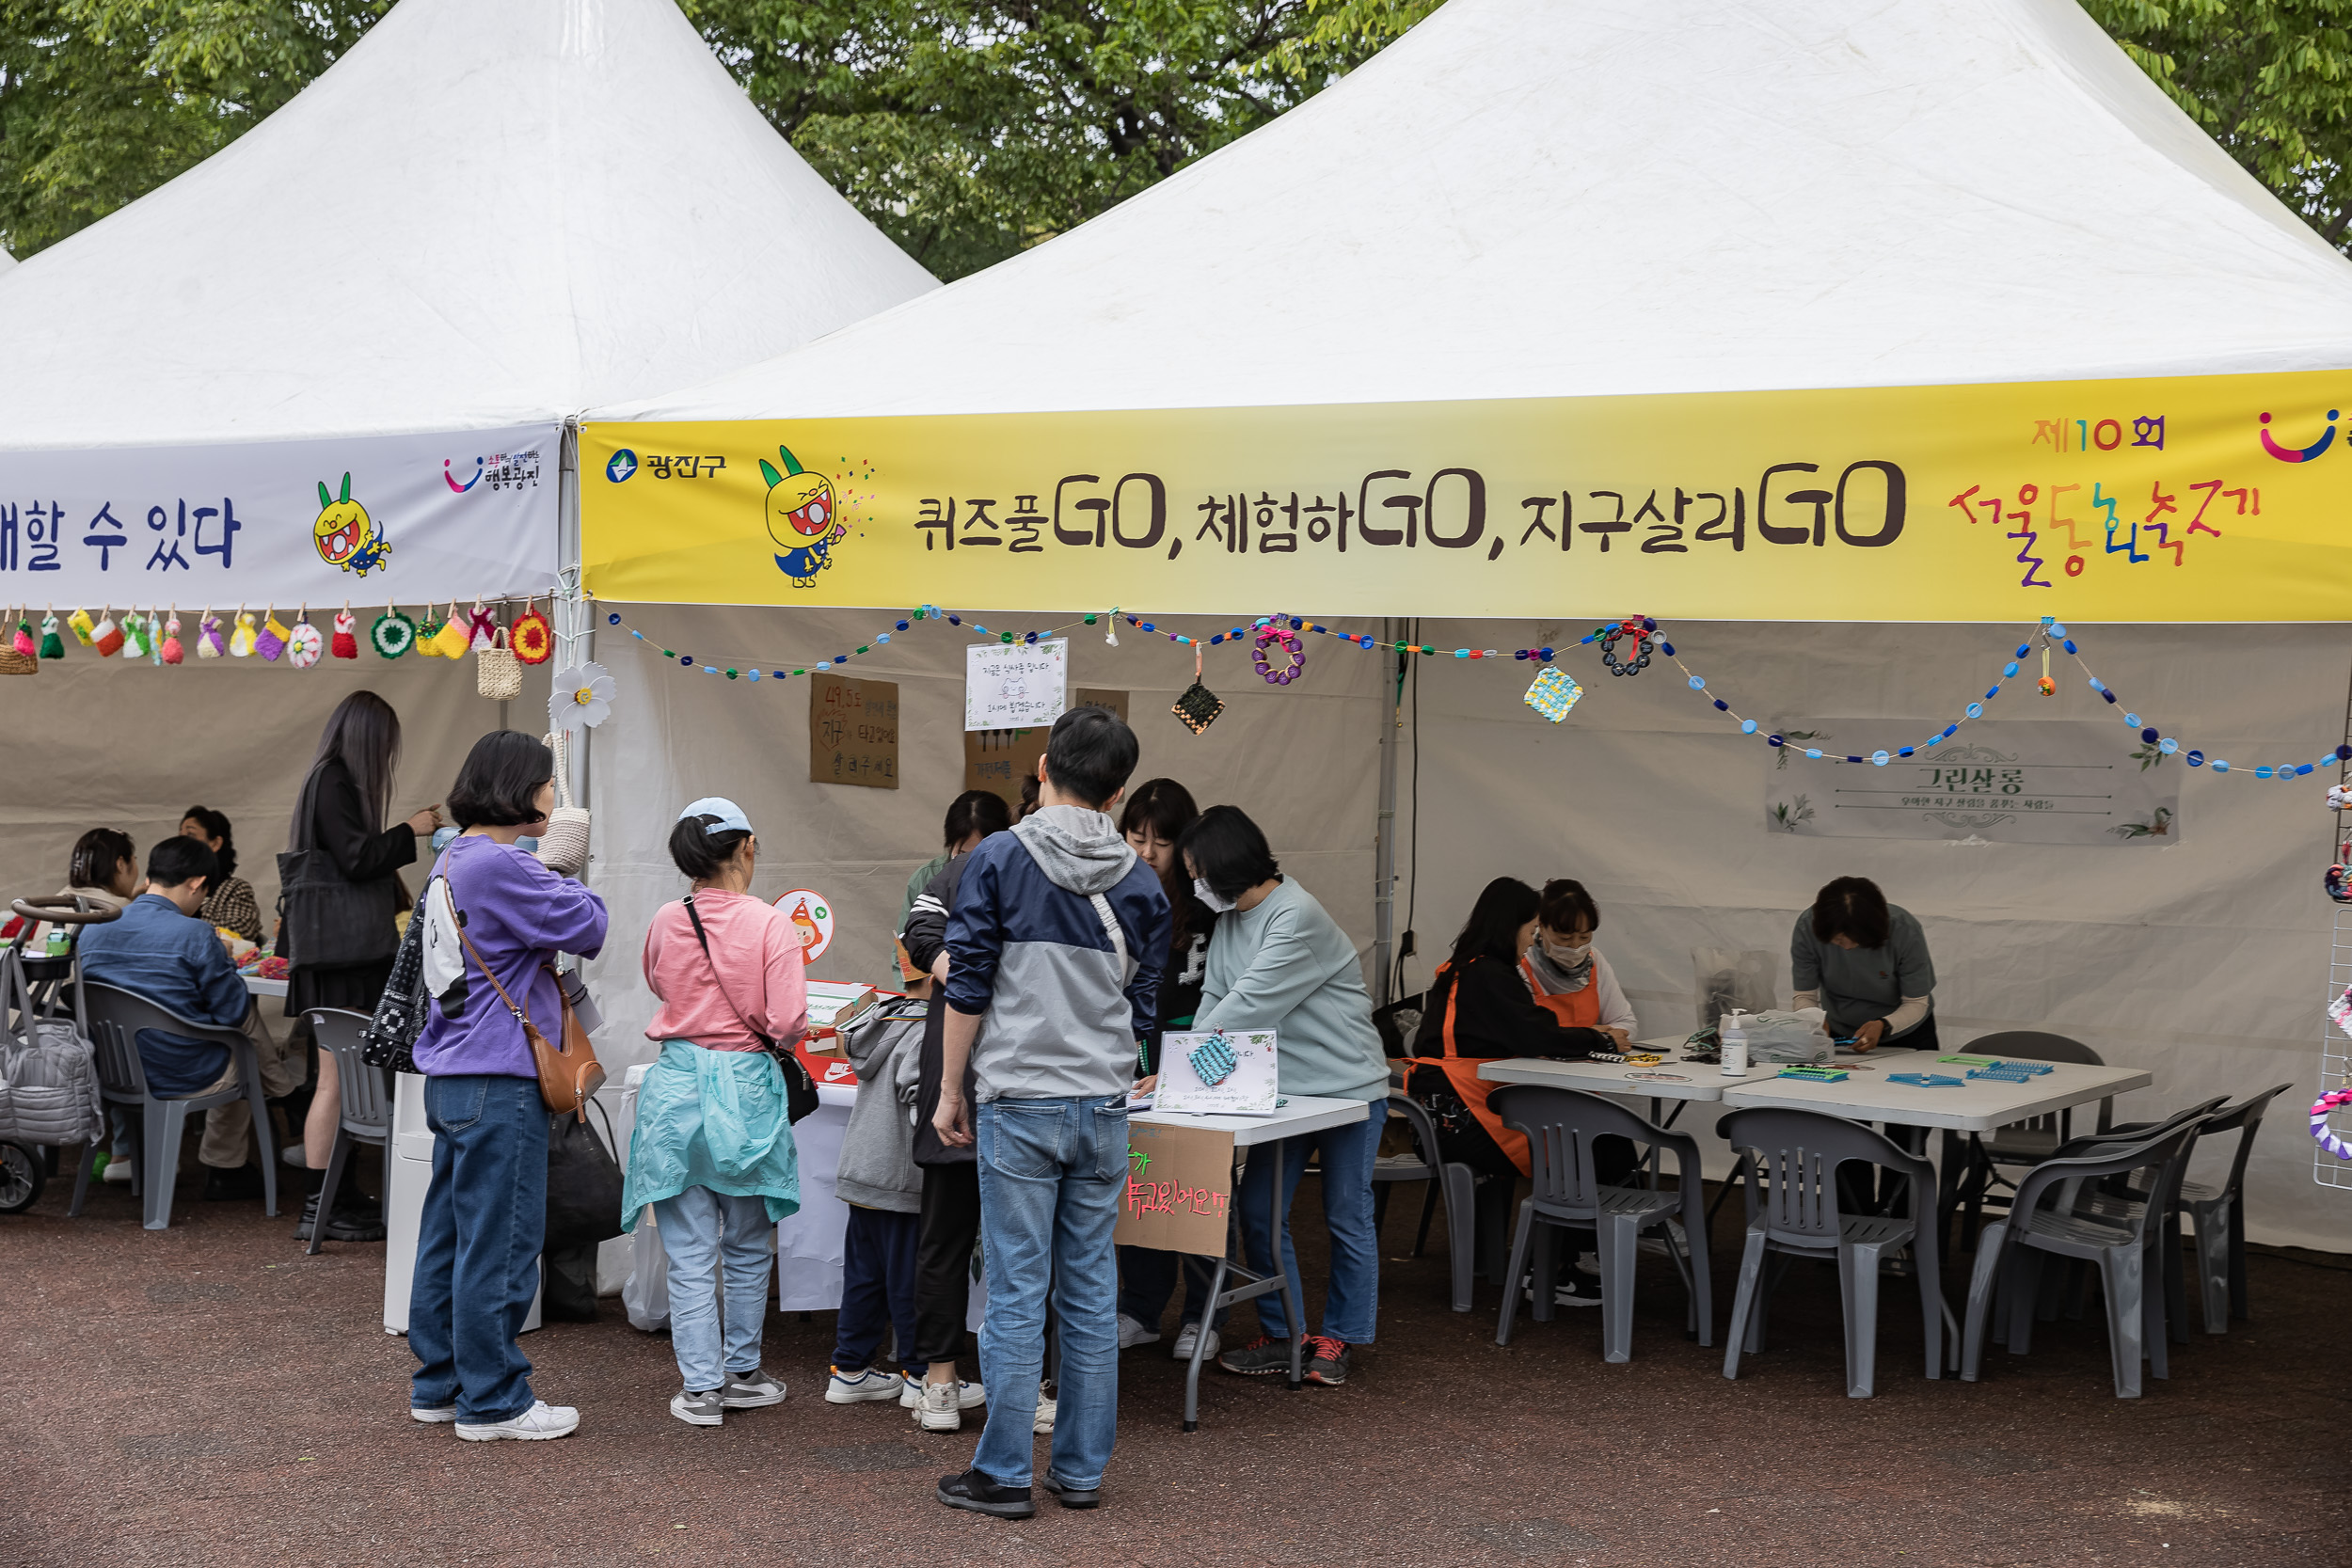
[(1298, 1115)]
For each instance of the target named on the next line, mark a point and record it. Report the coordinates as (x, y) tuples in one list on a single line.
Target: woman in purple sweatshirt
[(485, 1212)]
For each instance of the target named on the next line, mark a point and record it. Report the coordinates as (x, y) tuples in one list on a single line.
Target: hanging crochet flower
[(304, 646), (582, 698), (534, 639), (393, 633)]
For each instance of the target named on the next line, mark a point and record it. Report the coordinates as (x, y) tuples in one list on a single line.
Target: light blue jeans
[(702, 1230), (1051, 1175)]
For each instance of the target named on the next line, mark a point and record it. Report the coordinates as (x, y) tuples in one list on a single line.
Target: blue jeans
[(701, 1232), (478, 1244), (1352, 1306), (1148, 1279), (878, 1273), (1051, 1175)]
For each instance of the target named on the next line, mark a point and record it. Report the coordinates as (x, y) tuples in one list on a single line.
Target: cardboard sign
[(854, 731), (998, 760), (1195, 1080), (1179, 1189), (1012, 685)]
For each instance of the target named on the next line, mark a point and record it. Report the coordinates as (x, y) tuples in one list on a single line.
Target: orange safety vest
[(1461, 1072)]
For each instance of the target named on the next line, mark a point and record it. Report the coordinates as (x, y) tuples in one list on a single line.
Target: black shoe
[(975, 1491), (228, 1185), (1071, 1497), (1261, 1357), (343, 1225), (1574, 1288), (1327, 1361)]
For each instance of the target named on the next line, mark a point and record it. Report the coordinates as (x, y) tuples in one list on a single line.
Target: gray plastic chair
[(2114, 1198), (1562, 1126), (1971, 1171), (367, 1102), (2043, 1223), (1794, 1158), (2218, 1213), (1452, 1180), (115, 1017)]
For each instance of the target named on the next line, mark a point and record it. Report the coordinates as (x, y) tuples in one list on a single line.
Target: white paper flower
[(582, 698)]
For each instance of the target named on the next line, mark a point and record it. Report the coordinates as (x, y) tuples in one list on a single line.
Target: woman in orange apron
[(1566, 973), (1481, 1006)]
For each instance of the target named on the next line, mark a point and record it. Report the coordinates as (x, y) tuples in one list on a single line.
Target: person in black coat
[(340, 817)]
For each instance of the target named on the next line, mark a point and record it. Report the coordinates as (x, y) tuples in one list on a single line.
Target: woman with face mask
[(1277, 961), (1566, 973)]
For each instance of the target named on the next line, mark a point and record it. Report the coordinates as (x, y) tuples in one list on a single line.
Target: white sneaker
[(869, 1383), (942, 1405), (433, 1415), (1046, 1410), (538, 1423), (291, 1155), (116, 1170), (1134, 1332), (1184, 1342)]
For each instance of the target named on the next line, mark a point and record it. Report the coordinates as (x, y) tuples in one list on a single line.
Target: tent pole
[(1384, 839), (574, 622)]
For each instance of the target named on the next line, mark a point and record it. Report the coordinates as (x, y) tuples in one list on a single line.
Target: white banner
[(2017, 782), (405, 518)]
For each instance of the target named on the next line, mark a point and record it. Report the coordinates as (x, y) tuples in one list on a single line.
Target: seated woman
[(231, 905), (1566, 973), (1865, 963), (104, 870)]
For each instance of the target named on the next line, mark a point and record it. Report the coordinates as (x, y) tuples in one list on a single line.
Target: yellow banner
[(2194, 498)]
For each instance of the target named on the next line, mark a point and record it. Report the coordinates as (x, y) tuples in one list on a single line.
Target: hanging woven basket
[(497, 673)]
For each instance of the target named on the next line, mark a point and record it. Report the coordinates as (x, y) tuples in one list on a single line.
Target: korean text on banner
[(2015, 782), (368, 521), (1179, 1189), (2186, 499)]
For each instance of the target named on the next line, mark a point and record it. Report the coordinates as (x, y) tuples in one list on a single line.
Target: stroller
[(49, 1092)]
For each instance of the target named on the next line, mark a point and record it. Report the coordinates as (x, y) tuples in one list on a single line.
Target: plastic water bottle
[(1732, 1030)]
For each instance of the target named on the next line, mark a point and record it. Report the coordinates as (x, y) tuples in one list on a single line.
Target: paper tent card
[(1219, 1074)]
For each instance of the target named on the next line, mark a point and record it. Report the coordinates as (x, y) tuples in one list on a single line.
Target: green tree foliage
[(101, 101), (2270, 80), (968, 129)]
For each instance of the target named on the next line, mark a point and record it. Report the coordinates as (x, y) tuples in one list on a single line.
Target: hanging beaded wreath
[(2322, 1132), (1639, 630), (1285, 638)]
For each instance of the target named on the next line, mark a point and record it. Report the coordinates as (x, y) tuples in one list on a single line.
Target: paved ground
[(211, 1396)]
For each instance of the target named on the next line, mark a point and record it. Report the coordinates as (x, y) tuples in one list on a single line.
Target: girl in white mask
[(1569, 977)]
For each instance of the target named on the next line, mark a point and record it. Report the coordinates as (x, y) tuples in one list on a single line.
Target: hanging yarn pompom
[(85, 629), (241, 639), (272, 641), (52, 645), (211, 640), (171, 651), (533, 639), (106, 636), (304, 646), (346, 641), (393, 633)]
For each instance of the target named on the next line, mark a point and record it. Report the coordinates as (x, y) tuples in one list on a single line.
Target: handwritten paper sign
[(2015, 782), (1197, 1080), (1179, 1189), (998, 760), (1012, 685), (854, 731)]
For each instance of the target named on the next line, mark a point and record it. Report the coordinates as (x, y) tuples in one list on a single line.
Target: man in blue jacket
[(1053, 968)]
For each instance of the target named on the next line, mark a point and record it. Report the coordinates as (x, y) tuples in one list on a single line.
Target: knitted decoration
[(106, 637), (534, 639), (346, 642), (393, 633), (481, 627), (455, 638), (1213, 1060), (241, 639), (428, 633), (497, 675), (209, 643), (171, 651), (84, 630), (304, 646), (52, 645), (1198, 707), (272, 641), (24, 643), (138, 635), (1555, 692), (22, 654)]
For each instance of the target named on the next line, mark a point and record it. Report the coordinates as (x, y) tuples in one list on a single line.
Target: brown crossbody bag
[(569, 1074)]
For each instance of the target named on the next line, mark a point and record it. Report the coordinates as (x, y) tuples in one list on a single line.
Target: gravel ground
[(209, 1395)]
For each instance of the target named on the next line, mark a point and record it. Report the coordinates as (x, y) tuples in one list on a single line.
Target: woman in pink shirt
[(712, 1151)]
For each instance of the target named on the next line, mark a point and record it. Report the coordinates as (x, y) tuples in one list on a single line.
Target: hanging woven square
[(1198, 706), (393, 633), (533, 639), (1213, 1060), (1555, 692), (272, 641), (304, 646)]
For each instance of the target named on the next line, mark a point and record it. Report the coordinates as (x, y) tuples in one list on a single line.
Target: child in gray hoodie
[(881, 1183)]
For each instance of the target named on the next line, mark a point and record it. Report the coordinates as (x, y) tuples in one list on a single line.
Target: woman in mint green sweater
[(1277, 961)]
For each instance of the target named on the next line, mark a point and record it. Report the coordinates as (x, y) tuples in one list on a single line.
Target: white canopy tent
[(1532, 198), (487, 215)]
